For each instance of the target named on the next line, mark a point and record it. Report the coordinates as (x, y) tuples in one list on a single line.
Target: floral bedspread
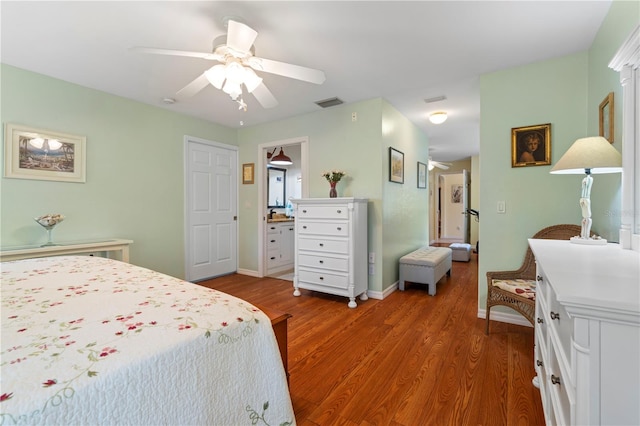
[(89, 340)]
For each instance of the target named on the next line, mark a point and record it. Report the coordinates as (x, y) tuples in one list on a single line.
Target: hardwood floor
[(410, 359)]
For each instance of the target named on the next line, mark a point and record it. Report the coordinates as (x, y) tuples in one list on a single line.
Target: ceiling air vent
[(329, 102), (435, 99)]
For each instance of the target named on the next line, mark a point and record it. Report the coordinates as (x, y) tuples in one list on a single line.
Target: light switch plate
[(502, 207)]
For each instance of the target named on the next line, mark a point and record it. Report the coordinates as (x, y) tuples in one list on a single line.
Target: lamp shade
[(438, 117), (593, 153), (281, 159)]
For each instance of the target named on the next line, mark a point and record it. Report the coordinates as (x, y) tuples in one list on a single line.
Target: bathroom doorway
[(296, 186)]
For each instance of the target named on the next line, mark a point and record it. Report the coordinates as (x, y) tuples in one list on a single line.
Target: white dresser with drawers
[(331, 246), (587, 333)]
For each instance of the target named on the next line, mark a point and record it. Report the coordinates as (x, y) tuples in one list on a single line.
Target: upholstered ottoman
[(425, 266), (461, 252)]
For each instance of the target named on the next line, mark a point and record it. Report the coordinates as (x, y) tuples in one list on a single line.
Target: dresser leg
[(352, 302), (536, 382), (296, 292)]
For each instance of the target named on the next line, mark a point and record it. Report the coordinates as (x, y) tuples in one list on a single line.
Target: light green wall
[(405, 208), (134, 186), (361, 149), (565, 92)]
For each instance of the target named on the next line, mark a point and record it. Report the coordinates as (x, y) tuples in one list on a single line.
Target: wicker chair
[(526, 276)]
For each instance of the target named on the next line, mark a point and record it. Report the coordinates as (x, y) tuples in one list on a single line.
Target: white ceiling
[(403, 52)]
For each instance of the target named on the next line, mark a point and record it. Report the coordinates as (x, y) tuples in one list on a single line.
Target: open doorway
[(275, 232), (452, 221)]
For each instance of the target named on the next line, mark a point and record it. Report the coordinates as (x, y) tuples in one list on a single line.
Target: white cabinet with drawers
[(279, 246), (331, 246), (587, 333)]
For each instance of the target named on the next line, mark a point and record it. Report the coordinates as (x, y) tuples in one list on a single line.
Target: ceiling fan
[(235, 52), (438, 164)]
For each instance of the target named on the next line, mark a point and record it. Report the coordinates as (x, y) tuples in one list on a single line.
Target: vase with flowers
[(333, 177)]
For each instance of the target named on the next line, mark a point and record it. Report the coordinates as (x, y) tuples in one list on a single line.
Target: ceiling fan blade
[(240, 36), (443, 166), (156, 51), (264, 96), (192, 88), (288, 70)]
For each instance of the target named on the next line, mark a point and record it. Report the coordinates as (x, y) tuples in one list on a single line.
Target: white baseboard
[(248, 272), (515, 319), (380, 295)]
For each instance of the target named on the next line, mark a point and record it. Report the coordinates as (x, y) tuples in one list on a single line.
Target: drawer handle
[(539, 278), (339, 211), (539, 363), (273, 241), (321, 261), (555, 316), (321, 245), (304, 226), (540, 320), (273, 258), (339, 228), (321, 278), (273, 227), (304, 211), (555, 380)]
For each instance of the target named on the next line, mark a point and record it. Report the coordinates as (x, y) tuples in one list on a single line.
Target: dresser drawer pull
[(304, 211), (539, 320), (555, 316), (273, 227), (539, 278), (339, 211), (321, 245), (273, 258), (339, 228), (321, 261), (321, 278), (273, 241), (555, 380), (539, 363), (304, 226)]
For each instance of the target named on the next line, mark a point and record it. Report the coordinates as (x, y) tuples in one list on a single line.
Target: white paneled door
[(211, 209)]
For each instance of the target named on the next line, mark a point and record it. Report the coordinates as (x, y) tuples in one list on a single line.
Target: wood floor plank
[(410, 359)]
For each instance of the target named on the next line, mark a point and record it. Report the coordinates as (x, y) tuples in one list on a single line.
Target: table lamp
[(592, 155)]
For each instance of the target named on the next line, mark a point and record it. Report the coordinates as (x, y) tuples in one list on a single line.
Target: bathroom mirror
[(276, 184)]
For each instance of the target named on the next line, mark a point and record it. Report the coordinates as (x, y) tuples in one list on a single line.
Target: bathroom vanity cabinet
[(280, 246)]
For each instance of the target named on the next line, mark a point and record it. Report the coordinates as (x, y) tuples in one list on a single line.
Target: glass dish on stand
[(48, 222)]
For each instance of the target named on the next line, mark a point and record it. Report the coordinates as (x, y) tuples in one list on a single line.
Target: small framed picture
[(422, 175), (248, 173), (396, 166), (531, 145), (40, 154), (606, 118)]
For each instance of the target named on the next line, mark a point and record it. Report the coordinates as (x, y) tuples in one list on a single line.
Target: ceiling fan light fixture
[(281, 159), (251, 80), (438, 117), (216, 75), (232, 88)]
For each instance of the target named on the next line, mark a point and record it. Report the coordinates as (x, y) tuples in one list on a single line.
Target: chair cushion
[(523, 288)]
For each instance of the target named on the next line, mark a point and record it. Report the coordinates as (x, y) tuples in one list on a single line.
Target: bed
[(90, 340)]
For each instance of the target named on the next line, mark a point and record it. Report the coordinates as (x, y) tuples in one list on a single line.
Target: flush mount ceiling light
[(281, 159), (438, 117)]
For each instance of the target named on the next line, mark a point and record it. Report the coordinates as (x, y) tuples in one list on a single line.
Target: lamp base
[(588, 241)]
